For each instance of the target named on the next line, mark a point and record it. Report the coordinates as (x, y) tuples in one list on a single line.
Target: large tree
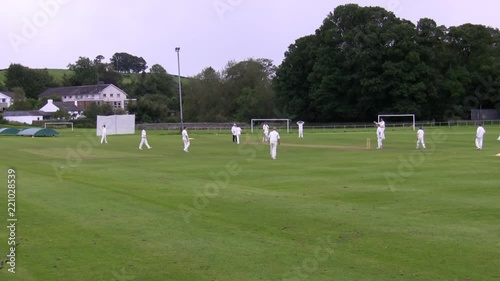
[(32, 81), (90, 72), (125, 62), (363, 61)]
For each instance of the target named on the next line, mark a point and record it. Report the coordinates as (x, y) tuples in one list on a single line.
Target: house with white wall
[(25, 117), (6, 100), (84, 96), (70, 107)]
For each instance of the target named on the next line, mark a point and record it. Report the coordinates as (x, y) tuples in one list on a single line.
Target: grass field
[(326, 209)]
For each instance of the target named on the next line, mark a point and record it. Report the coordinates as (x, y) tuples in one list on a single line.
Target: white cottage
[(6, 100), (69, 107), (25, 117)]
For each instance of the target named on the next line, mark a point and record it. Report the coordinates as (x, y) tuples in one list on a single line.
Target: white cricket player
[(265, 129), (380, 133), (274, 141), (144, 140), (185, 139), (301, 128), (103, 134), (479, 136), (420, 138), (238, 134), (233, 131)]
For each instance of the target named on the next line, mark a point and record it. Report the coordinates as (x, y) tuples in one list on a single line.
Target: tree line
[(361, 62), (364, 61)]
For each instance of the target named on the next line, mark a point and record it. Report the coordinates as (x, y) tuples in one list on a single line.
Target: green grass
[(88, 211)]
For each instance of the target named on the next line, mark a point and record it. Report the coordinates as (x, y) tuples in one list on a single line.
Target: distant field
[(2, 76), (326, 209), (58, 75)]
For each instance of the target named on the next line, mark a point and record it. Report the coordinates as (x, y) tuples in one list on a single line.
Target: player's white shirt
[(420, 134), (480, 132), (143, 133), (301, 124), (381, 124), (103, 130), (237, 131), (274, 136), (185, 135), (265, 128), (233, 130)]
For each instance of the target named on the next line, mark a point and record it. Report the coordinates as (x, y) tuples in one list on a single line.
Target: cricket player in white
[(301, 128), (420, 138), (144, 140), (238, 134), (380, 133), (233, 131), (479, 136), (103, 134), (274, 141), (185, 139), (265, 128)]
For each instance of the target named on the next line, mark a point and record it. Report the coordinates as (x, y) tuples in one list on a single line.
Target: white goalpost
[(58, 123), (398, 115), (252, 121)]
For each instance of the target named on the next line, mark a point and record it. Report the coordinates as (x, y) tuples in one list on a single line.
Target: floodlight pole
[(177, 49)]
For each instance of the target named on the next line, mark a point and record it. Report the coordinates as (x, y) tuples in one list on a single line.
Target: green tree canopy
[(364, 61), (33, 81)]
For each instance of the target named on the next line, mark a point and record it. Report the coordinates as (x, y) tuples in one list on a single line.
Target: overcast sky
[(54, 33)]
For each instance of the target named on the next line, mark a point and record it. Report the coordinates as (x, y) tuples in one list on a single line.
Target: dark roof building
[(84, 96), (24, 113), (74, 90)]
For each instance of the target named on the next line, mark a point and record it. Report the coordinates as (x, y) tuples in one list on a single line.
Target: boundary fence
[(225, 128)]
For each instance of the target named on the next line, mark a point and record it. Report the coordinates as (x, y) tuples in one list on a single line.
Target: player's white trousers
[(420, 141), (379, 142), (479, 143), (273, 148), (144, 141), (301, 133), (103, 139), (186, 144)]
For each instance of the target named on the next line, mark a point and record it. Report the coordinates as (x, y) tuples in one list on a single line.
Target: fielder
[(380, 133), (185, 139), (233, 131), (265, 129), (479, 136), (144, 140), (274, 141), (420, 138), (237, 132), (103, 135), (301, 129)]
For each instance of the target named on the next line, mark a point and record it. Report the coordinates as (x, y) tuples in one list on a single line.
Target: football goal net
[(279, 123), (58, 124), (400, 117)]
